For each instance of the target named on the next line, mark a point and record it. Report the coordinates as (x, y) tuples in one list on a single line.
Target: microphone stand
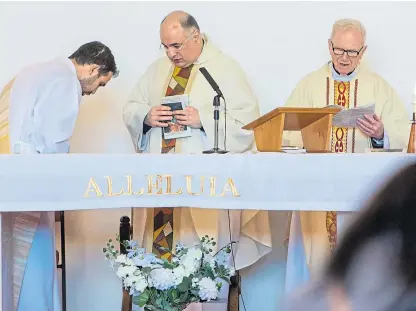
[(216, 103)]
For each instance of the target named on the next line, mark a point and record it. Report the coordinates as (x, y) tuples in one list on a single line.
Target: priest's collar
[(338, 77)]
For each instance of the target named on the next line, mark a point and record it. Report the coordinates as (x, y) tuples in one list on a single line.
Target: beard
[(86, 84)]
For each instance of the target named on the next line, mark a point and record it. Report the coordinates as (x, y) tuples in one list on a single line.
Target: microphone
[(211, 81), (216, 104)]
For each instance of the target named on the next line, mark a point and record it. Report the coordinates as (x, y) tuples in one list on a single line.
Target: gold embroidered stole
[(339, 143), (24, 224), (163, 217)]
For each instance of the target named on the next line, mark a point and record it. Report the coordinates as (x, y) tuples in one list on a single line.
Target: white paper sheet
[(348, 117)]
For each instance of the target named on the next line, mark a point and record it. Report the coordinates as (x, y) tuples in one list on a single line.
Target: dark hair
[(96, 53), (393, 210), (187, 22)]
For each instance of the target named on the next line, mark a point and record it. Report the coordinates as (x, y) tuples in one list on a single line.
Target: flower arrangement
[(156, 284)]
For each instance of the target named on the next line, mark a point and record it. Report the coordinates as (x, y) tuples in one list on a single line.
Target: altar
[(257, 181), (262, 181)]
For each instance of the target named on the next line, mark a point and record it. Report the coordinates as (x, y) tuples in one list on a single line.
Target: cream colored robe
[(251, 228), (317, 90)]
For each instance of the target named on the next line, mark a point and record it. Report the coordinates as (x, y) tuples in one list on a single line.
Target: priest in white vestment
[(38, 110), (187, 50), (344, 82)]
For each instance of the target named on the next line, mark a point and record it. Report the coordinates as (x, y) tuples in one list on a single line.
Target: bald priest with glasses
[(153, 125), (342, 81)]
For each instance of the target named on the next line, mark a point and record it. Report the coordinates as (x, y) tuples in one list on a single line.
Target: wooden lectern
[(314, 124)]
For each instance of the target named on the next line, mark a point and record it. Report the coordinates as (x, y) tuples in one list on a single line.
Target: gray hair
[(348, 23)]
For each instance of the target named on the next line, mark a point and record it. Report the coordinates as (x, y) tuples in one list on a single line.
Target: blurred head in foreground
[(374, 266)]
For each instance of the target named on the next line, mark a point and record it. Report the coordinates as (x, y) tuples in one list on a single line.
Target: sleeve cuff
[(381, 143), (142, 143), (146, 128)]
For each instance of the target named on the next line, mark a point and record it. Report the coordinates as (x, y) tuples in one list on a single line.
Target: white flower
[(191, 260), (223, 258), (124, 271), (194, 252), (179, 273), (140, 284), (128, 281), (123, 259), (195, 282), (207, 289), (209, 259), (147, 260), (136, 281), (162, 278)]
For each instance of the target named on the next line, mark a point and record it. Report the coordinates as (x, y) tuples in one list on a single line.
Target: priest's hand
[(372, 126), (189, 116), (157, 115)]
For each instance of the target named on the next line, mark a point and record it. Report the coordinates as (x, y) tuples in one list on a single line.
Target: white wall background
[(277, 43)]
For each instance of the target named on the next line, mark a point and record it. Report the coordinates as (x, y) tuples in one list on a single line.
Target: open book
[(348, 117), (174, 129)]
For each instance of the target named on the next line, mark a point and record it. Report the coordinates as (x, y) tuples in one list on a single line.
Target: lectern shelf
[(314, 124)]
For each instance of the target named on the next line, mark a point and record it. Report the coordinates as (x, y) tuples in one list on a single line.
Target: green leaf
[(183, 297), (195, 299), (185, 285), (208, 273), (173, 294), (226, 279), (152, 308), (159, 302), (168, 265), (142, 299), (146, 270)]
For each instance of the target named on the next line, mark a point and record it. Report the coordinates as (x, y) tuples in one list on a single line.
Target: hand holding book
[(158, 116), (372, 126), (189, 116), (183, 117)]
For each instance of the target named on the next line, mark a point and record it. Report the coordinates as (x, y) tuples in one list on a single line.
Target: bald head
[(180, 19), (181, 38)]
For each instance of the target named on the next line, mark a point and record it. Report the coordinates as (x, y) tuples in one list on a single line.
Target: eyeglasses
[(350, 53), (176, 46)]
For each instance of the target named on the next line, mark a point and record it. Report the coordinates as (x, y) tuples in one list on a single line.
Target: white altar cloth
[(263, 181)]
